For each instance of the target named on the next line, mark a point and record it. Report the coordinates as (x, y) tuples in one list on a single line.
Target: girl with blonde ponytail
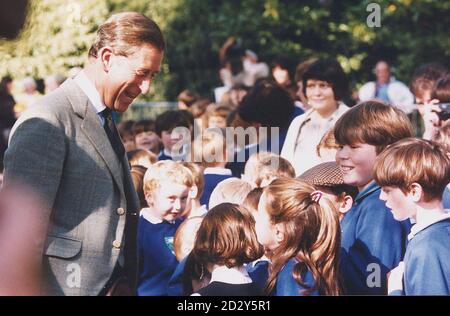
[(300, 230)]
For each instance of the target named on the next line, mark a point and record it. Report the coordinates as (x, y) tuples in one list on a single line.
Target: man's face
[(128, 77), (382, 72), (356, 162)]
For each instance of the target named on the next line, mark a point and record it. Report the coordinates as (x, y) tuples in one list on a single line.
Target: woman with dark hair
[(324, 85), (7, 118)]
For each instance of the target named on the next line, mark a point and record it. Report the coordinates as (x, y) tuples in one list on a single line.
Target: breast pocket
[(62, 247)]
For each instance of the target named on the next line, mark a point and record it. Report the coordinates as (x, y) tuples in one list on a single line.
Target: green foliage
[(55, 38), (412, 32)]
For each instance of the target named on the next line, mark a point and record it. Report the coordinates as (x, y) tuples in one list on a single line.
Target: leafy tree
[(412, 32)]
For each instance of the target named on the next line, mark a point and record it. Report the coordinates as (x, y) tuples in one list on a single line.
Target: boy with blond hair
[(166, 188), (264, 167), (372, 242), (210, 150), (413, 174), (232, 190)]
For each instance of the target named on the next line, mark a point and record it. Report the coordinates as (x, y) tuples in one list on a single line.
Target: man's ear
[(279, 233), (346, 204), (105, 54), (415, 192)]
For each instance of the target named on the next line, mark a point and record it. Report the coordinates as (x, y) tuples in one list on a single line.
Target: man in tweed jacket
[(61, 149)]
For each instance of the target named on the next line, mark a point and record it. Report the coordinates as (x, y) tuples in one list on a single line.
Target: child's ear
[(193, 192), (279, 233), (149, 199), (415, 192), (346, 204)]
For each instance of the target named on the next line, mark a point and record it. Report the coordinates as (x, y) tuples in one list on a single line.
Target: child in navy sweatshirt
[(413, 174), (210, 150), (225, 242), (166, 189), (373, 242), (174, 130)]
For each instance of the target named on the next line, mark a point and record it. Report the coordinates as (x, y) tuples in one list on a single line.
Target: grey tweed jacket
[(60, 149)]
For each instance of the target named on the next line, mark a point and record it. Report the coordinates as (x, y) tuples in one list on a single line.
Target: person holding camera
[(437, 111)]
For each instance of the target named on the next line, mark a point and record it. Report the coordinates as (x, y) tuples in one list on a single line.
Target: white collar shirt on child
[(427, 222), (146, 213), (217, 170), (236, 275)]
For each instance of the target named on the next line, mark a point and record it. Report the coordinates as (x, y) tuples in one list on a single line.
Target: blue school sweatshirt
[(259, 273), (240, 158), (286, 284), (176, 287), (211, 180), (157, 261), (446, 198), (372, 244), (427, 261), (163, 156)]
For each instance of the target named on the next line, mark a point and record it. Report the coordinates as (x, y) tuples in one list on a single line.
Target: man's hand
[(431, 119)]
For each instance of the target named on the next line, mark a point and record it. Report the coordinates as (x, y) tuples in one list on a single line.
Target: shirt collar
[(88, 87), (169, 154), (341, 108), (236, 275), (432, 219), (149, 216), (217, 170), (372, 187)]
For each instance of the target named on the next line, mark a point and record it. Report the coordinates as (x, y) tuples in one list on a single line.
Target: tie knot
[(106, 113)]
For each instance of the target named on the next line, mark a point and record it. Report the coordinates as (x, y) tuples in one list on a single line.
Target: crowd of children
[(356, 203)]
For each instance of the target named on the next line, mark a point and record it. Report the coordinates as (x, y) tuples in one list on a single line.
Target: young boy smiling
[(372, 241), (413, 174), (166, 189)]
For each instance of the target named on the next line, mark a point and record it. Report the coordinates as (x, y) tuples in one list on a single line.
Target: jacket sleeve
[(35, 158)]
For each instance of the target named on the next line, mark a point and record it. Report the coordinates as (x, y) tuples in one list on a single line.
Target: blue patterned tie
[(113, 135)]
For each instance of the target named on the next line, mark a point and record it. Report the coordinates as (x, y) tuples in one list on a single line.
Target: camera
[(444, 114)]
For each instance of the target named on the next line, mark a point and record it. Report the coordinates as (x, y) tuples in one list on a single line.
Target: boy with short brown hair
[(413, 174)]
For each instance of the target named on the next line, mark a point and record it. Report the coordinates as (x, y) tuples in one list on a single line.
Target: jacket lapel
[(92, 128)]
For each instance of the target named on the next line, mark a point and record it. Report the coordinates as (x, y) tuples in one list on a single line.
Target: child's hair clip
[(316, 196)]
